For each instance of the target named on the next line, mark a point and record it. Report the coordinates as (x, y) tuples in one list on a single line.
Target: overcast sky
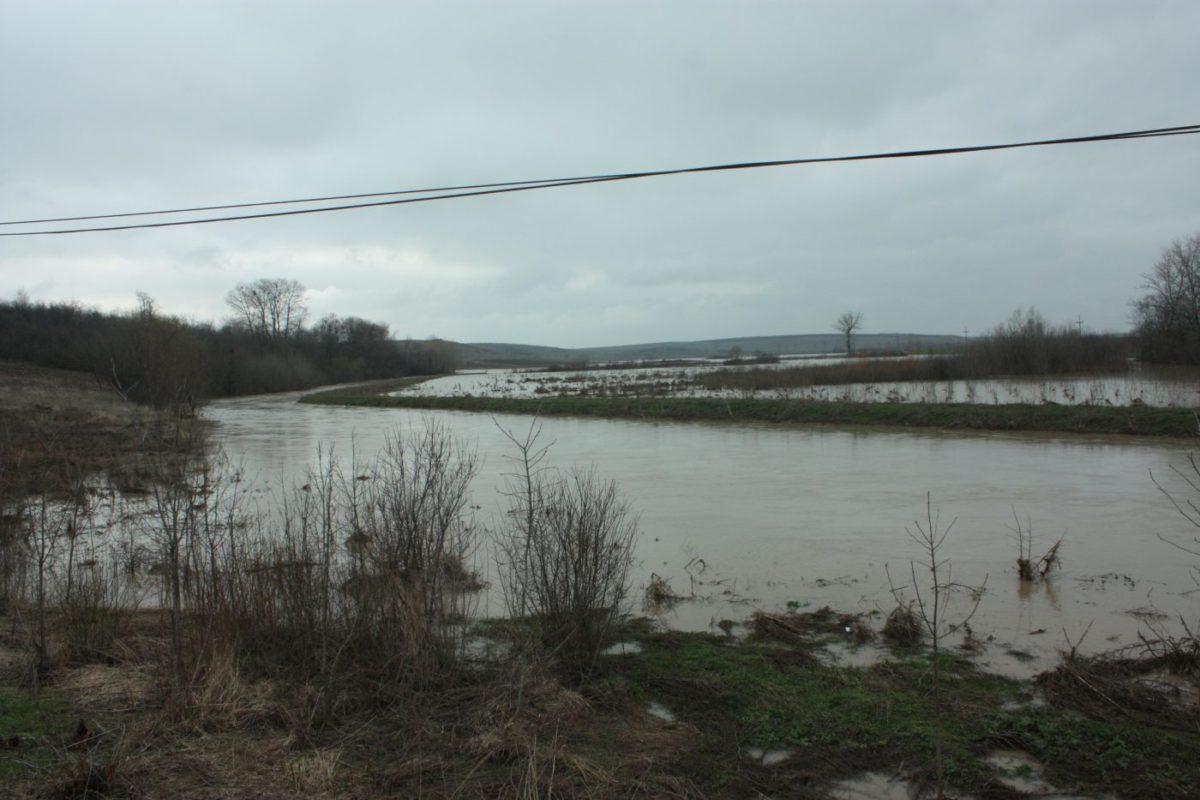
[(120, 106)]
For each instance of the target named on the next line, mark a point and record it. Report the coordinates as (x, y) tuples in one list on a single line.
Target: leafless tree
[(273, 308), (932, 607), (1168, 315), (846, 325)]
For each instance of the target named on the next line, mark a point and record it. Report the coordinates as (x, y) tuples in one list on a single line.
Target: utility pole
[(1079, 322)]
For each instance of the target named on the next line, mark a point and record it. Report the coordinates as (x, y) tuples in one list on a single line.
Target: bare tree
[(273, 308), (932, 608), (846, 325), (1168, 315)]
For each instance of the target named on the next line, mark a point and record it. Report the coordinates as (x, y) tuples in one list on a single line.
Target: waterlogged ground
[(678, 381), (736, 519)]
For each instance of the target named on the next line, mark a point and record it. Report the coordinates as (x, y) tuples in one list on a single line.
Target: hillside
[(493, 354)]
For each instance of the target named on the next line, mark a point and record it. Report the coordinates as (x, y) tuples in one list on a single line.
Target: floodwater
[(740, 517), (1135, 388)]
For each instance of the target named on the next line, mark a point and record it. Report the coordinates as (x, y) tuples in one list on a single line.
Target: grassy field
[(1133, 420)]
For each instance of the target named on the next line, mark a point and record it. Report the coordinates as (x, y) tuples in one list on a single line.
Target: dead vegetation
[(902, 627), (1158, 687), (1029, 569), (810, 628), (659, 594)]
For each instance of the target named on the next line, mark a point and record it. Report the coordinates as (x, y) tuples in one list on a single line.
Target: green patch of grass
[(1103, 755), (26, 719), (843, 720), (1134, 420)]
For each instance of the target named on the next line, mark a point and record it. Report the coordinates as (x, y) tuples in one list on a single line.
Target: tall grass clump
[(565, 556)]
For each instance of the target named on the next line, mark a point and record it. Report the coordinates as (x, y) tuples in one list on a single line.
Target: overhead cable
[(405, 196)]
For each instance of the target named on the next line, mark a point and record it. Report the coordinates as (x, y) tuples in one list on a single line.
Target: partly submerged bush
[(565, 556)]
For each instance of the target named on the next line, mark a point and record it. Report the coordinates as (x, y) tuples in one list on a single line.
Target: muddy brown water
[(740, 518)]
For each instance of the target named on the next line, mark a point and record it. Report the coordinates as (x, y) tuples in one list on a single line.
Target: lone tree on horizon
[(847, 324)]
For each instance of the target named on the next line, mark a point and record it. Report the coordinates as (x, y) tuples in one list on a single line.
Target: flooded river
[(741, 518)]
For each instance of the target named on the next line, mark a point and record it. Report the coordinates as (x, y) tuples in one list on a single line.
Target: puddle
[(1020, 771), (623, 649), (769, 758), (845, 654), (1034, 700), (661, 711), (874, 786)]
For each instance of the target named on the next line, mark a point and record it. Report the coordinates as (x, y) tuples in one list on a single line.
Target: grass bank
[(1133, 420)]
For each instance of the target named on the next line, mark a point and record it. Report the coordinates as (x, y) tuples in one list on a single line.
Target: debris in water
[(902, 627), (659, 594), (1019, 771)]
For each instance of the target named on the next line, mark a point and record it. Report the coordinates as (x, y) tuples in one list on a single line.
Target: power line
[(289, 202), (505, 187)]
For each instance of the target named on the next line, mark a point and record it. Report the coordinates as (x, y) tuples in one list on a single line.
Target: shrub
[(565, 556)]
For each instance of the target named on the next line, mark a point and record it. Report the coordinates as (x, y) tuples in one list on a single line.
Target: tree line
[(167, 361)]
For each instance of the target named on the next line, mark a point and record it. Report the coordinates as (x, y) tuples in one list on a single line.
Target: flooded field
[(736, 519), (1135, 388)]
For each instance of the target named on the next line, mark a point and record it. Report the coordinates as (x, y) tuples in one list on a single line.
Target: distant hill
[(478, 355)]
